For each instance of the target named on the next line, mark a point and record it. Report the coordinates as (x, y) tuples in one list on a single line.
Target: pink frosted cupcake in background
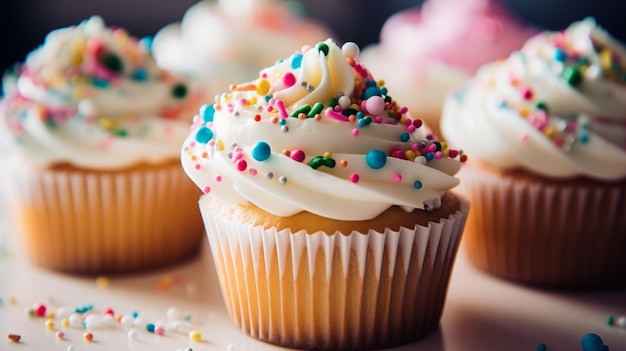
[(546, 129), (90, 132), (424, 53), (225, 41)]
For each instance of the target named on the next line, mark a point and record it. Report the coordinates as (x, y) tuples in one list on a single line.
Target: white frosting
[(582, 130), (93, 97), (214, 153), (221, 42)]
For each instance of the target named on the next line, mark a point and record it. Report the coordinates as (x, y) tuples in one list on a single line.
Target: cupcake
[(225, 41), (426, 52), (547, 179), (90, 135), (328, 210)]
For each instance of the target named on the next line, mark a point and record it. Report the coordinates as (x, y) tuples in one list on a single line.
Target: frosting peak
[(316, 132)]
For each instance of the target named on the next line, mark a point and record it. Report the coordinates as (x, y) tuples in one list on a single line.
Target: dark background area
[(24, 23)]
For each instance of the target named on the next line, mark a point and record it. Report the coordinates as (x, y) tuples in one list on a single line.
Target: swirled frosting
[(556, 108), (225, 41), (316, 132), (93, 97)]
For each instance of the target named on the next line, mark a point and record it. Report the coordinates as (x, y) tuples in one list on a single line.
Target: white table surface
[(481, 313)]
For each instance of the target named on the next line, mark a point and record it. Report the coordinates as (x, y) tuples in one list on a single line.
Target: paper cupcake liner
[(546, 233), (110, 222), (334, 291)]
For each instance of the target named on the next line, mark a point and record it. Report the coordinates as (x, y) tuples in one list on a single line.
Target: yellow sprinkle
[(102, 282), (524, 111), (328, 154), (381, 82), (262, 86), (195, 335), (65, 323), (548, 131), (50, 315), (220, 143), (11, 300), (410, 155), (606, 59), (108, 123), (50, 324)]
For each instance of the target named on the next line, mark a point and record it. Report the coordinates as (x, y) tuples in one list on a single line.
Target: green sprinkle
[(302, 109), (317, 108), (113, 62), (572, 76), (320, 161), (323, 48), (122, 133), (333, 102), (179, 91), (541, 105)]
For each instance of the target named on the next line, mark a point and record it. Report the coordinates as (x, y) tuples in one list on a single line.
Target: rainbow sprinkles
[(318, 122)]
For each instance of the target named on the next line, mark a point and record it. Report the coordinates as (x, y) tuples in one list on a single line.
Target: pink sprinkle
[(355, 132), (218, 178), (253, 171), (410, 129), (378, 119), (431, 148), (237, 156), (40, 310), (338, 116), (206, 189), (337, 108), (526, 93), (243, 102), (108, 310), (241, 165), (414, 147), (453, 153), (417, 123), (159, 330), (439, 155), (397, 154), (197, 166), (94, 46), (397, 177), (408, 122), (523, 137), (289, 79), (404, 110), (168, 130), (281, 108), (297, 155), (60, 335), (354, 178)]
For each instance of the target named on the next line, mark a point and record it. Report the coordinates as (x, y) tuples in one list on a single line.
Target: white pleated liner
[(263, 273), (93, 223), (546, 234)]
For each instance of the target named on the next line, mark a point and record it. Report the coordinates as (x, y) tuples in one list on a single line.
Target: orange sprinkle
[(88, 336), (343, 163), (205, 154)]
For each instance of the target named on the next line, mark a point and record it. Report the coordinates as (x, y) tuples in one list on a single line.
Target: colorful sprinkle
[(203, 135), (261, 151), (13, 337), (376, 159), (195, 336)]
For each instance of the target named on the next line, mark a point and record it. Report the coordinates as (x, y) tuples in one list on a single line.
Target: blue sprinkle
[(502, 104), (150, 327), (383, 90), (99, 82), (207, 111), (542, 347), (203, 135), (584, 138), (592, 342), (360, 115), (417, 184), (371, 91), (140, 75), (560, 55), (282, 122), (296, 61), (261, 151), (429, 156), (376, 159), (361, 122), (135, 314), (404, 137), (147, 41)]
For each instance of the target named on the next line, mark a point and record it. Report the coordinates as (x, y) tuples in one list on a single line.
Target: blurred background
[(24, 23)]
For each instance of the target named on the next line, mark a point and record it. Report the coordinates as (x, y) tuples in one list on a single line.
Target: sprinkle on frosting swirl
[(316, 132)]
